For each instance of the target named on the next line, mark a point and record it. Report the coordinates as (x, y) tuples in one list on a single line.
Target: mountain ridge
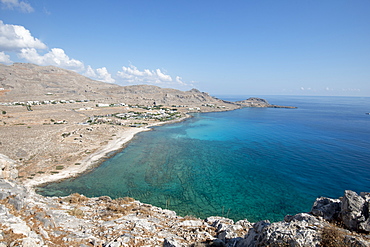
[(23, 82)]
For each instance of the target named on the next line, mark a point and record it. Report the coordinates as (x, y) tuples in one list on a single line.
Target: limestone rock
[(300, 230), (170, 242), (7, 168), (355, 212), (28, 219), (327, 208)]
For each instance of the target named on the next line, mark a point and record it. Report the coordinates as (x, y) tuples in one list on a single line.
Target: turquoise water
[(254, 163)]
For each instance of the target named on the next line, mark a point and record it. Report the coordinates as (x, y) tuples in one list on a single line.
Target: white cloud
[(90, 72), (100, 74), (15, 4), (55, 57), (132, 74), (351, 89), (163, 77), (104, 75), (179, 80), (15, 38), (5, 58)]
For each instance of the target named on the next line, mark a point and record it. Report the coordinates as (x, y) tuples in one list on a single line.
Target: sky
[(239, 47)]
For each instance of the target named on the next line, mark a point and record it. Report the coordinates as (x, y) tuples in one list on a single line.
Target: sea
[(250, 163)]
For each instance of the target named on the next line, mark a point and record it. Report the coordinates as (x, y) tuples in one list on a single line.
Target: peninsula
[(56, 124)]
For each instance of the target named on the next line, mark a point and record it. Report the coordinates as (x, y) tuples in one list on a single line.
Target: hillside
[(29, 82), (45, 110)]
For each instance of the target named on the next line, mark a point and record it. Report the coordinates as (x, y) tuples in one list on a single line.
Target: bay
[(254, 163)]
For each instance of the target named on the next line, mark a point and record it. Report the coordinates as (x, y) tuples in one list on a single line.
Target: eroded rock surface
[(29, 219), (8, 168)]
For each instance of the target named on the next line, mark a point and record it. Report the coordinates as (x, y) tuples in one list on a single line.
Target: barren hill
[(25, 82), (65, 116)]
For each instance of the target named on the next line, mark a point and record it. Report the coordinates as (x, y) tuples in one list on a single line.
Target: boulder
[(355, 211), (299, 230), (327, 208), (171, 242)]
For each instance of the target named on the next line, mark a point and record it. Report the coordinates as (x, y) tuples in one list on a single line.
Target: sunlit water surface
[(254, 163)]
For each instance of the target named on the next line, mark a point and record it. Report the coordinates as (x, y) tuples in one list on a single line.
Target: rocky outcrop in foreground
[(28, 219)]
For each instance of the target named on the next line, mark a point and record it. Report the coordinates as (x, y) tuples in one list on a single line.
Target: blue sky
[(262, 47)]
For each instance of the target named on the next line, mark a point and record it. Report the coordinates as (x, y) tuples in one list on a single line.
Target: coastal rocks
[(327, 208), (352, 210), (7, 168), (28, 219), (227, 231), (355, 211), (298, 230)]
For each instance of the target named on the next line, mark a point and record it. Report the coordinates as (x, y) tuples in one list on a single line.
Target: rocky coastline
[(46, 140), (29, 219)]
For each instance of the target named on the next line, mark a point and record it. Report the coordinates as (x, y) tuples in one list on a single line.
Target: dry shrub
[(76, 198), (119, 209), (145, 211), (190, 217), (76, 212), (9, 237), (332, 236), (105, 198), (124, 200)]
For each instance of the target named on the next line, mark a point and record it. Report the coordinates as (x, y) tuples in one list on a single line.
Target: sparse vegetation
[(333, 236), (66, 134), (76, 212), (8, 236), (76, 198)]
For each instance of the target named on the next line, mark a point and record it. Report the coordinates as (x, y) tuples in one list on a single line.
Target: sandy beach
[(95, 158), (89, 161)]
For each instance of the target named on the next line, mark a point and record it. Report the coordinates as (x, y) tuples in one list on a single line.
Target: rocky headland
[(258, 102)]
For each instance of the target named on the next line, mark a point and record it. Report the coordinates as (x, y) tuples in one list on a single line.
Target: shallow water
[(254, 163)]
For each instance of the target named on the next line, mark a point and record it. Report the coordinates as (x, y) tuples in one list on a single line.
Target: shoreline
[(97, 158)]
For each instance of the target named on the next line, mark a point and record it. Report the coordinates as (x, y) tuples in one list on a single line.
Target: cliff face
[(28, 219)]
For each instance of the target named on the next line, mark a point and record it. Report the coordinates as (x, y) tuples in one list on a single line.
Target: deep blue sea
[(254, 163)]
